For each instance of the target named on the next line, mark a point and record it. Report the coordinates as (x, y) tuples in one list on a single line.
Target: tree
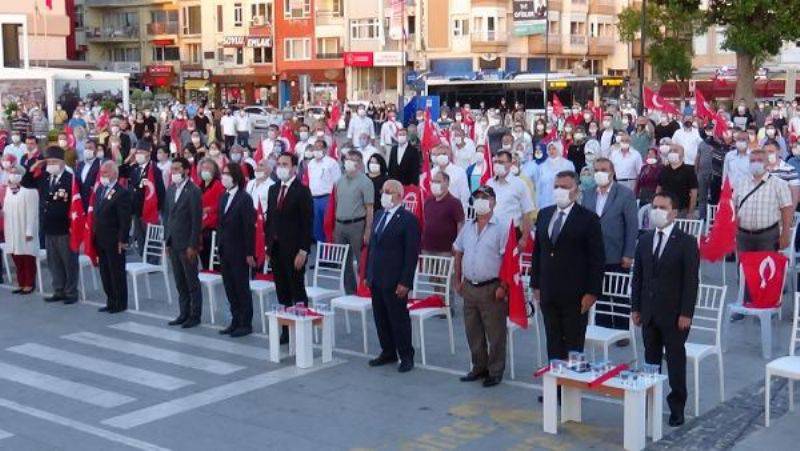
[(670, 26), (755, 30)]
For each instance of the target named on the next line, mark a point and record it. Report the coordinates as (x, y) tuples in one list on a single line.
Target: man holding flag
[(479, 250), (55, 192), (144, 177)]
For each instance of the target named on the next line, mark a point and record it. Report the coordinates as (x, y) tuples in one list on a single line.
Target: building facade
[(47, 30)]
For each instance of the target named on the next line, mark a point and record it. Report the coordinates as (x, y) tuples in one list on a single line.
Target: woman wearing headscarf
[(21, 228)]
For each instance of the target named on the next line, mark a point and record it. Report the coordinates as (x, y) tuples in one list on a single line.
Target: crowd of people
[(570, 184)]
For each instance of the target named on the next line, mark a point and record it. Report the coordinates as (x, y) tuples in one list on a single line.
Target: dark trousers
[(243, 139), (139, 234), (714, 190), (613, 321), (205, 249), (659, 338), (112, 273), (236, 280), (485, 325), (63, 265), (393, 323), (190, 296), (565, 327), (290, 284), (230, 140)]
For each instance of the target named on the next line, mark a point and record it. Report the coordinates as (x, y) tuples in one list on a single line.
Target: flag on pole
[(510, 274), (721, 239), (333, 151), (329, 221), (150, 205), (653, 101), (260, 251), (88, 242), (488, 169), (764, 274), (77, 218), (703, 108), (558, 107), (259, 153), (336, 114), (288, 135)]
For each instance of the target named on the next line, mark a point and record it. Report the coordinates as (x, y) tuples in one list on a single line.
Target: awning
[(195, 85)]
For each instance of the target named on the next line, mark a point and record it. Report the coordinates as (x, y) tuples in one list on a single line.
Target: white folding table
[(301, 338)]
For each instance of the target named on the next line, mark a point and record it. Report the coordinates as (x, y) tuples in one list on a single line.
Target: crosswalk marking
[(194, 340), (5, 434), (154, 353), (111, 369), (74, 390), (210, 396)]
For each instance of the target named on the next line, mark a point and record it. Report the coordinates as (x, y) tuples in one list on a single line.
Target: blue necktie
[(384, 221), (557, 227)]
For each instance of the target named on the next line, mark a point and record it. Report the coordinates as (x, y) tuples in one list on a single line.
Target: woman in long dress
[(21, 228)]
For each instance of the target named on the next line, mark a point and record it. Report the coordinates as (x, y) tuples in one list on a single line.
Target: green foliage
[(11, 107), (757, 28), (52, 135), (108, 105)]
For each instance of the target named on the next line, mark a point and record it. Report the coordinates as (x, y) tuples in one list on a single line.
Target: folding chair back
[(795, 340), (693, 227), (154, 244), (330, 263), (708, 311), (213, 256), (432, 277), (616, 286)]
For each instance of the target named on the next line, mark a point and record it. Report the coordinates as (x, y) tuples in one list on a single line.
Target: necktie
[(384, 220), (52, 183), (557, 227), (281, 197), (657, 251)]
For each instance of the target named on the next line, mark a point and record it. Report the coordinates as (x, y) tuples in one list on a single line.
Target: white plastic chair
[(353, 303), (154, 249), (764, 315), (85, 262), (693, 227), (707, 320), (791, 253), (787, 366), (432, 278), (211, 280), (329, 265), (261, 288), (642, 217), (6, 261), (711, 214), (512, 327), (615, 286)]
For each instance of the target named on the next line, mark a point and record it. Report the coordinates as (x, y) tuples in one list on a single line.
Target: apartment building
[(47, 32)]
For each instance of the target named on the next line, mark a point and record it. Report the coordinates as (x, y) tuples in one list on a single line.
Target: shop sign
[(613, 82), (159, 69), (358, 59), (529, 16), (387, 59), (247, 41)]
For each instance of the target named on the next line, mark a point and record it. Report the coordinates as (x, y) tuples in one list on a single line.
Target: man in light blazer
[(183, 214), (615, 204)]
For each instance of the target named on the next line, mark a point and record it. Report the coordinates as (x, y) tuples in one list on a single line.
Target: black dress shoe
[(189, 323), (405, 366), (227, 330), (491, 381), (242, 332), (17, 291), (382, 360), (68, 301), (26, 292), (54, 298), (676, 420), (177, 321), (473, 376), (103, 309)]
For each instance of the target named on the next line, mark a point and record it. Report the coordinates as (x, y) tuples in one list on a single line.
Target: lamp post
[(642, 58)]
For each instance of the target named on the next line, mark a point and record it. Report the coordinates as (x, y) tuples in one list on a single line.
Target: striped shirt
[(786, 172), (763, 208)]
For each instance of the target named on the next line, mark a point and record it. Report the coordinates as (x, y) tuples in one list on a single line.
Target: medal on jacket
[(110, 194)]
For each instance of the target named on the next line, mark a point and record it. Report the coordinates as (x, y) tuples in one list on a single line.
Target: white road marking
[(213, 395), (74, 390), (78, 426), (5, 434), (154, 353), (191, 339), (114, 370)]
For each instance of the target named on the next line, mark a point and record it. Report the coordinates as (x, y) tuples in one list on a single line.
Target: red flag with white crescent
[(488, 168), (329, 220), (558, 107), (259, 153), (150, 205), (288, 134), (77, 218), (88, 242), (703, 109), (764, 274), (70, 136), (510, 273), (336, 114), (260, 251), (721, 239), (653, 101)]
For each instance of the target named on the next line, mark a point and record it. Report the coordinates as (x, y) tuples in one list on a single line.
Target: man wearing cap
[(138, 176), (55, 194), (479, 251)]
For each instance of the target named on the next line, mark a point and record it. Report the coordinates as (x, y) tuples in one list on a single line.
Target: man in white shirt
[(323, 173), (514, 202), (228, 125), (389, 131), (606, 136), (360, 124), (736, 166), (272, 143), (627, 164), (463, 149), (459, 187), (689, 138), (304, 142), (243, 129), (367, 149)]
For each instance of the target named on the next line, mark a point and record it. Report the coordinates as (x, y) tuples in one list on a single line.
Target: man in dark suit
[(391, 263), (663, 296), (87, 172), (138, 174), (182, 223), (404, 161), (55, 194), (235, 240), (567, 267), (112, 221), (288, 228)]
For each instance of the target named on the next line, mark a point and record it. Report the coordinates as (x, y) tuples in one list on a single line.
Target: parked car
[(314, 113), (262, 116)]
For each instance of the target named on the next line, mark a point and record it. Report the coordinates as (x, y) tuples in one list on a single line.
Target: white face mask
[(386, 201), (206, 175), (99, 155), (236, 157), (659, 218), (482, 207), (561, 197), (14, 179), (652, 160), (140, 158), (303, 136), (350, 166), (673, 158), (177, 179), (741, 145), (53, 169), (458, 140), (606, 124), (260, 175), (62, 143), (15, 139), (441, 159), (195, 141), (436, 189), (772, 158), (105, 181), (272, 134), (374, 168), (227, 181), (318, 154), (602, 178), (757, 168), (283, 173), (624, 146), (402, 139), (499, 169)]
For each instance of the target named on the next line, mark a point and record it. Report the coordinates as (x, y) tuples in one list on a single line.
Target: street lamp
[(641, 58)]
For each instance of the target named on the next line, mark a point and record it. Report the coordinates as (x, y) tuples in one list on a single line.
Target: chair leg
[(94, 278), (721, 377), (538, 340), (211, 304), (633, 346), (363, 328), (511, 354), (263, 314), (39, 275), (347, 321), (135, 283), (791, 395), (7, 264), (605, 352), (450, 329), (696, 366), (422, 339), (147, 286), (169, 291), (766, 335), (766, 400), (83, 285)]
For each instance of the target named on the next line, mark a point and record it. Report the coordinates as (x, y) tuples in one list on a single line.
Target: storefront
[(244, 89), (159, 77), (314, 86), (374, 76), (196, 84)]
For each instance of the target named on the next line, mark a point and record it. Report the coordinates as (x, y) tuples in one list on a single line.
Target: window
[(297, 48), (239, 55), (220, 21), (460, 27), (376, 80), (365, 29), (328, 48), (260, 13), (166, 54), (191, 20), (125, 55), (237, 15), (719, 39), (262, 55), (78, 16), (192, 55), (331, 8), (220, 55), (296, 9), (700, 44), (411, 26)]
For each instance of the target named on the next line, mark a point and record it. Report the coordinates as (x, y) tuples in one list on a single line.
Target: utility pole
[(546, 60), (642, 57)]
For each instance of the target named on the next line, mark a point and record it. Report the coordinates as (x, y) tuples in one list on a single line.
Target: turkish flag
[(510, 274), (102, 121), (430, 138), (363, 288), (414, 194), (77, 218), (260, 251), (703, 109), (469, 121), (259, 153), (288, 134), (433, 301), (653, 101), (488, 168), (558, 107), (336, 114), (150, 206), (721, 239), (88, 242), (764, 274), (333, 152), (70, 136), (720, 125), (329, 222)]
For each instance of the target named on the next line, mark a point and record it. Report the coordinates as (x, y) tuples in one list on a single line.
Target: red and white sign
[(387, 59), (358, 59)]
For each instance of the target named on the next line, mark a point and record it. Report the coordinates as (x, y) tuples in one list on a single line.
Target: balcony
[(489, 41), (604, 7), (329, 56), (601, 45), (161, 28), (555, 5), (636, 48), (329, 17), (127, 67), (579, 6), (536, 44), (113, 34), (576, 45)]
